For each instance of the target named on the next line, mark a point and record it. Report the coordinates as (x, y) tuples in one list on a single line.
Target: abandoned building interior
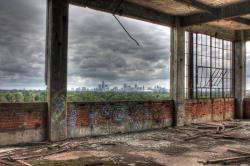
[(208, 80)]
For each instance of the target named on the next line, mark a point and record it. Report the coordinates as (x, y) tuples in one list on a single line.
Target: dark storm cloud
[(99, 49), (22, 43)]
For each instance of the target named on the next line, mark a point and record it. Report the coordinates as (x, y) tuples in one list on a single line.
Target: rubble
[(195, 144)]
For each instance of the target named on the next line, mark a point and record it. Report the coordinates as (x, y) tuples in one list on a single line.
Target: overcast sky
[(99, 49)]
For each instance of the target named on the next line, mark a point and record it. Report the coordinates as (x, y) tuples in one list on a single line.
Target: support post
[(177, 83), (56, 50), (239, 72)]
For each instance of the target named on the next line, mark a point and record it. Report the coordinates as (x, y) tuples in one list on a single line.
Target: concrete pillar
[(56, 50), (240, 72), (177, 83)]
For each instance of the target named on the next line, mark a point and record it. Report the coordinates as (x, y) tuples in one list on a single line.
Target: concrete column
[(56, 50), (240, 72), (177, 83)]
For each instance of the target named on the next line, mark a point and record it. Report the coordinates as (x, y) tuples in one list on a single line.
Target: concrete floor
[(184, 146)]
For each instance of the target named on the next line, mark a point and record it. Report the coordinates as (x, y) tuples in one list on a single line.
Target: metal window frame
[(210, 67)]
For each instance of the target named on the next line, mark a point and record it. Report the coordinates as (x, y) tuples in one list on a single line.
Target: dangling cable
[(131, 37)]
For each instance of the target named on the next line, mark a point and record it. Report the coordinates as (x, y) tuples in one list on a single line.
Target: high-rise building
[(103, 84)]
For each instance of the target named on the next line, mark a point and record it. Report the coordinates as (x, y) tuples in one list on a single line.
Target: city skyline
[(105, 87)]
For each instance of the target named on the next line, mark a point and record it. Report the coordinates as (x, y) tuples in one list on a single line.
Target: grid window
[(209, 67)]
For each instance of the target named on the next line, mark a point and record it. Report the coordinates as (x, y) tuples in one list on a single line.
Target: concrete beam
[(225, 12), (241, 20), (57, 44), (177, 72), (127, 9), (211, 10), (240, 72), (198, 5), (212, 31)]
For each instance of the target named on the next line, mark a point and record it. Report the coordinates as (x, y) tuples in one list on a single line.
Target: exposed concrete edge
[(102, 131), (213, 31), (123, 101), (24, 103), (212, 100), (23, 136)]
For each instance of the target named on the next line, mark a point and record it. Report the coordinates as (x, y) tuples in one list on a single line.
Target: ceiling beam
[(198, 5), (211, 30), (226, 12), (127, 9), (211, 10), (241, 20)]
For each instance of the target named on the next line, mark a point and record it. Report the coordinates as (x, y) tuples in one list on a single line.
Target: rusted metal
[(191, 67), (211, 58)]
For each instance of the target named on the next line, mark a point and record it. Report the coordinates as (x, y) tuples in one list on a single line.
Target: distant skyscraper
[(103, 84)]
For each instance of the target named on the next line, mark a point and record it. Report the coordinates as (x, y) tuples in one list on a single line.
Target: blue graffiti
[(92, 117), (59, 104), (72, 117), (120, 113)]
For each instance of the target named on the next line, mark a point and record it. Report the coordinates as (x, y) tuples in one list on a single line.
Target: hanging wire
[(130, 36), (116, 10)]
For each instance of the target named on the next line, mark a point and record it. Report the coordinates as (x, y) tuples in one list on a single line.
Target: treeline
[(116, 96), (40, 96), (22, 96)]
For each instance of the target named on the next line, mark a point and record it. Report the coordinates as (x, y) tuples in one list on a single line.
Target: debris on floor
[(216, 143)]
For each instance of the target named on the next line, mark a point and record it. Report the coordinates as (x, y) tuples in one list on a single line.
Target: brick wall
[(207, 110), (22, 122), (26, 122), (85, 119)]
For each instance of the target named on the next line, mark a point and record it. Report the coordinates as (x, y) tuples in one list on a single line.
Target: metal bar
[(221, 79), (232, 93), (196, 69), (211, 77), (191, 67), (223, 90)]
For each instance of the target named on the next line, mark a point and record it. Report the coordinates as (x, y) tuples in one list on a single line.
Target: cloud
[(99, 49), (22, 43)]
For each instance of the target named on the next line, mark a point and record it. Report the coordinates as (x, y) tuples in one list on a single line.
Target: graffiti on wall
[(72, 116), (59, 104), (119, 113), (138, 116), (104, 118)]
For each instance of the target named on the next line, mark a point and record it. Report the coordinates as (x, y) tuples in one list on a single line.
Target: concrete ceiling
[(219, 3), (168, 6), (179, 8), (206, 16)]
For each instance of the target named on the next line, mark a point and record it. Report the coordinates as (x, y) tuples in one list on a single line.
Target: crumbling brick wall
[(27, 122), (22, 116), (102, 118), (22, 122), (207, 110)]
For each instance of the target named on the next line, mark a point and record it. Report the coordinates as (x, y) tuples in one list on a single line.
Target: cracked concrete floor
[(182, 146)]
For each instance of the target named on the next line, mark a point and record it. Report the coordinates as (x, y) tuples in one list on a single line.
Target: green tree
[(3, 98), (19, 97), (10, 97), (28, 97)]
